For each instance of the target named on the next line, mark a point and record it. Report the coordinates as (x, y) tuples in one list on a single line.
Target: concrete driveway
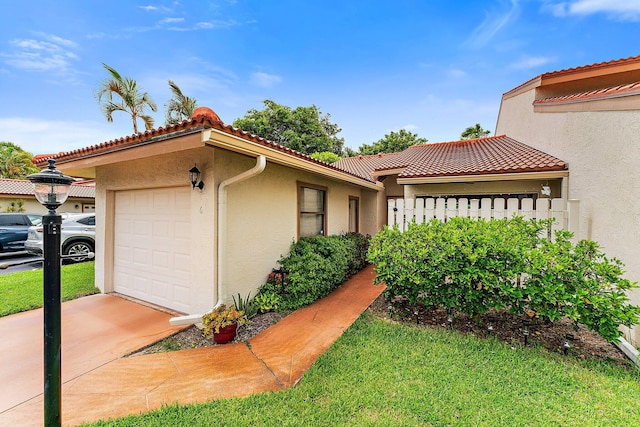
[(96, 330)]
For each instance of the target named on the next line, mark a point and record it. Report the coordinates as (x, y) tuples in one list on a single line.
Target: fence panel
[(402, 212)]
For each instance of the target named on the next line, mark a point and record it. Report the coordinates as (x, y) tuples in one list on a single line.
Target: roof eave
[(484, 177), (221, 139)]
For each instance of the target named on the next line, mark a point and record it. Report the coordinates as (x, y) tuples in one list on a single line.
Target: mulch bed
[(509, 328), (506, 327)]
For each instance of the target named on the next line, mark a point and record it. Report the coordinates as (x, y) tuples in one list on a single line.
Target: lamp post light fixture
[(194, 177), (51, 188)]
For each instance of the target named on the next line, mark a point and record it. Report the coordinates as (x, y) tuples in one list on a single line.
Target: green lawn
[(386, 374), (22, 291)]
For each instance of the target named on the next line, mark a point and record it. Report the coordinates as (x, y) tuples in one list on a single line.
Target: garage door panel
[(153, 247)]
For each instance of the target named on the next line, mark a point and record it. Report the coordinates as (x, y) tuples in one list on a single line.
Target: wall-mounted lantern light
[(194, 177)]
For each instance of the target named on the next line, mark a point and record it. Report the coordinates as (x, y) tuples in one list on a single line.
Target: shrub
[(267, 301), (316, 265), (475, 265)]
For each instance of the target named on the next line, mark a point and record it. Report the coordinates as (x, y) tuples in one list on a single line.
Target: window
[(354, 214), (312, 220)]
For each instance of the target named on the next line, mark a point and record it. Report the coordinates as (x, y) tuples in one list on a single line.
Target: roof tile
[(483, 156)]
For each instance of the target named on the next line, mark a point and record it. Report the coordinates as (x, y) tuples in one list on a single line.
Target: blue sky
[(433, 67)]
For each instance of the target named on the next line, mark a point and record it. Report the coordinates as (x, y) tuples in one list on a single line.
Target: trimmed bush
[(316, 266), (475, 265)]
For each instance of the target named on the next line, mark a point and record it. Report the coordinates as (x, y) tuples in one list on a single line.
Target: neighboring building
[(493, 167), (19, 192), (590, 117), (161, 241)]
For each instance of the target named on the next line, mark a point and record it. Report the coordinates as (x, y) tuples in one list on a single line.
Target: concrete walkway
[(274, 360)]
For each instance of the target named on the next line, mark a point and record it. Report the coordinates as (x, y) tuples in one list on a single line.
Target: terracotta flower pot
[(226, 334)]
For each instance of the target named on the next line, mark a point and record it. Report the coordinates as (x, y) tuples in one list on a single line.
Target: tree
[(393, 142), (326, 157), (304, 129), (179, 107), (15, 163), (473, 132), (130, 100)]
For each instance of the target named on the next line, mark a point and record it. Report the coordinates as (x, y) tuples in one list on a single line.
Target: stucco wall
[(483, 188), (604, 163), (158, 172), (263, 215), (31, 205)]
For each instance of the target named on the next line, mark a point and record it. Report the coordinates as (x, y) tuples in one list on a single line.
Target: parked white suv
[(77, 238)]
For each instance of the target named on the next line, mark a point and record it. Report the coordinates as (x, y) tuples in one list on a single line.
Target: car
[(77, 237), (14, 228)]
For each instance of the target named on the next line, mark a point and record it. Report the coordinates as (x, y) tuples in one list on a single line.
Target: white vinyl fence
[(402, 212)]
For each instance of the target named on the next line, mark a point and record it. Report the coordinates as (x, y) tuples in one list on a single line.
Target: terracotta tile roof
[(23, 187), (629, 60), (363, 166), (592, 95), (483, 156), (623, 61), (203, 118)]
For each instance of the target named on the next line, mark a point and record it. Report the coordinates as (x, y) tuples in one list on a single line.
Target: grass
[(381, 373), (22, 291)]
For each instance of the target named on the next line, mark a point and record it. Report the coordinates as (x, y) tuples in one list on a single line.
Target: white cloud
[(529, 62), (171, 20), (493, 22), (625, 10), (148, 8), (265, 80), (48, 136), (49, 53)]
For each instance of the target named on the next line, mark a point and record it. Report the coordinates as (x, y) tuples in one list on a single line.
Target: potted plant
[(222, 322)]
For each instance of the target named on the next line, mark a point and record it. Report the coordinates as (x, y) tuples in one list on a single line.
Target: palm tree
[(179, 107), (473, 132), (131, 100), (15, 163)]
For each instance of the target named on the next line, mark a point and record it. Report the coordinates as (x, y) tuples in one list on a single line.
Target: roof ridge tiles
[(627, 88), (629, 59)]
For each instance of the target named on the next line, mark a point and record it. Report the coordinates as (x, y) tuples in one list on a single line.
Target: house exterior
[(496, 167), (590, 117), (19, 192), (161, 240)]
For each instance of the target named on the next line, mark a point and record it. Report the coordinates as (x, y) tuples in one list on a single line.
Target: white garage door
[(152, 246)]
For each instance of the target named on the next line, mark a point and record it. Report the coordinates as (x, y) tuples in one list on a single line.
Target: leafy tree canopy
[(393, 142), (15, 163), (473, 132), (304, 129), (326, 156)]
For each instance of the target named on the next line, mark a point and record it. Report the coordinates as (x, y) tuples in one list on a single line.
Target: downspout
[(261, 163)]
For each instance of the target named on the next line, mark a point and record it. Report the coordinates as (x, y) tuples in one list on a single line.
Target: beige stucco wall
[(482, 188), (31, 205), (261, 224), (263, 215), (158, 172), (603, 153)]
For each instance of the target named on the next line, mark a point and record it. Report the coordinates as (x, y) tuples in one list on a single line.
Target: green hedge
[(316, 266), (475, 265)]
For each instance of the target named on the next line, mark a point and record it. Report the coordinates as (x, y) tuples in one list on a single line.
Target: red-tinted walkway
[(274, 360)]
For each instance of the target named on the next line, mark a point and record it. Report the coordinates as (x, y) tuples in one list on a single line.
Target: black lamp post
[(51, 188)]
